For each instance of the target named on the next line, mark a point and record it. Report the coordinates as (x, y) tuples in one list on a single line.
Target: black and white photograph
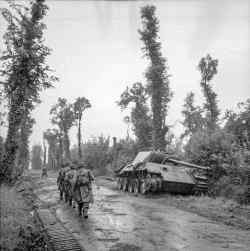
[(124, 125)]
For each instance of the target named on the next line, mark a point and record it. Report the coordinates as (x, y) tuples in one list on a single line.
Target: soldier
[(61, 180), (66, 185), (83, 190), (70, 179), (44, 172)]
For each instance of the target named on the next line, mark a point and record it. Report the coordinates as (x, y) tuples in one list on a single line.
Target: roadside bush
[(125, 153), (31, 240), (96, 154), (227, 188), (211, 149), (229, 162)]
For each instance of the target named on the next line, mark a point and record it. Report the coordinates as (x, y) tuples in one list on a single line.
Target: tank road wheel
[(143, 189), (136, 187)]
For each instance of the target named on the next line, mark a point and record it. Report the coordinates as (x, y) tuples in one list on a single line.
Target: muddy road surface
[(124, 222)]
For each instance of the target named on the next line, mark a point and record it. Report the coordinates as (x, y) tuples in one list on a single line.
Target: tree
[(140, 118), (219, 150), (80, 105), (23, 145), (127, 121), (238, 123), (44, 152), (52, 138), (63, 116), (193, 119), (157, 75), (36, 157), (208, 68), (2, 108), (97, 153), (1, 148), (24, 70)]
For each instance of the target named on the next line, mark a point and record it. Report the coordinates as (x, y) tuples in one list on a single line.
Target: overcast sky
[(97, 53)]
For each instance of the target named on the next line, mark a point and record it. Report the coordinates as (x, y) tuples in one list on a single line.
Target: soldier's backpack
[(83, 178)]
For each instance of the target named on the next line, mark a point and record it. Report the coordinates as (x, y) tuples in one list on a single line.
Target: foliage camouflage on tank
[(159, 172)]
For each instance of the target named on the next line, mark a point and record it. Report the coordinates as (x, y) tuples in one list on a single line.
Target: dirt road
[(119, 221)]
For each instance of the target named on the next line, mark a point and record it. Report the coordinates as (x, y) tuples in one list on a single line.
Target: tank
[(153, 171)]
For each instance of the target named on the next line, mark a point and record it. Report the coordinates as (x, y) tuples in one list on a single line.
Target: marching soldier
[(83, 190), (66, 185), (44, 171), (70, 179), (61, 181)]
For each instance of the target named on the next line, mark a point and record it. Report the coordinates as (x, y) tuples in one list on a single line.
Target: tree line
[(24, 74), (64, 116)]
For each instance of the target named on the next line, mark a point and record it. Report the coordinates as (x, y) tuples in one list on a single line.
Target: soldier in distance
[(70, 179), (83, 189), (61, 180)]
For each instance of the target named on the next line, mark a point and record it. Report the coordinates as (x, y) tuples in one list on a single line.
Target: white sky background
[(97, 53)]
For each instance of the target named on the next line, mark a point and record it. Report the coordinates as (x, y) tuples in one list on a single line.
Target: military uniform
[(66, 185), (70, 179), (44, 172), (83, 193), (61, 181)]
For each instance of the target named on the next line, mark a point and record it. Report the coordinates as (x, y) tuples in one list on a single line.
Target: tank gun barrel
[(188, 164)]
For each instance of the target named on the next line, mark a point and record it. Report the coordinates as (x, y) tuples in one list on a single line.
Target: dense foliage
[(62, 115), (208, 68), (157, 75), (140, 118), (24, 71), (193, 119)]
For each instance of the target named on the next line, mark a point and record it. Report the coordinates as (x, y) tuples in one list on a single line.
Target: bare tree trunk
[(60, 150), (79, 140), (67, 146), (44, 153)]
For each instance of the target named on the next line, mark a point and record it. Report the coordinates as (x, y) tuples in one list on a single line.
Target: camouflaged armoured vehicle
[(156, 171)]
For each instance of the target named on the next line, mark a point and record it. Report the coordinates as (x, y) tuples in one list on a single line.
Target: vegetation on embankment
[(19, 231)]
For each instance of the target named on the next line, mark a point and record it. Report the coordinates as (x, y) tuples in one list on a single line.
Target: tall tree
[(24, 70), (157, 75), (36, 157), (208, 68), (63, 116), (44, 152), (80, 105), (140, 118), (193, 120), (23, 145), (52, 138)]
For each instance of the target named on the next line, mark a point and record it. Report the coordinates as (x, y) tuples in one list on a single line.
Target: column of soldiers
[(75, 186)]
